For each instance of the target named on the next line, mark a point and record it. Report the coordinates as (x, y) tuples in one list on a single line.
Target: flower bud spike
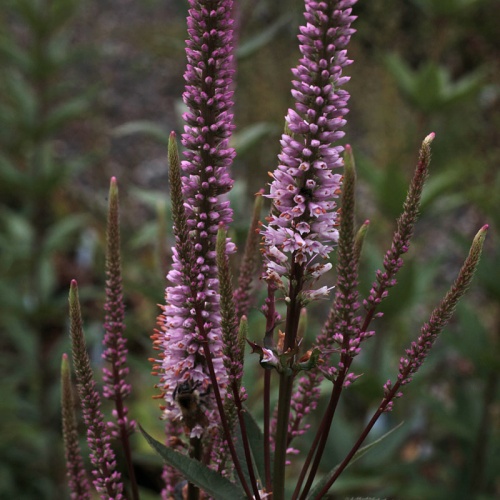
[(107, 480), (77, 477), (440, 317), (229, 323), (115, 387), (181, 230), (250, 261), (401, 239), (242, 337)]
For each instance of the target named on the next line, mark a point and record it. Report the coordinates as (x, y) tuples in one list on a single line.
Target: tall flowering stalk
[(115, 386), (191, 317), (190, 337), (302, 227)]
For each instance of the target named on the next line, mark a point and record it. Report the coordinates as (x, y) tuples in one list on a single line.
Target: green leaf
[(240, 452), (401, 72), (362, 451), (66, 112), (246, 139), (21, 97), (438, 185), (430, 87), (60, 232), (12, 53), (264, 37), (195, 472), (11, 178), (148, 128)]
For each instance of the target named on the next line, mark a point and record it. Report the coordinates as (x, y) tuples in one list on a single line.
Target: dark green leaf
[(195, 472), (240, 452), (11, 177), (11, 52), (246, 139), (264, 37), (150, 129), (59, 233), (256, 439), (66, 112)]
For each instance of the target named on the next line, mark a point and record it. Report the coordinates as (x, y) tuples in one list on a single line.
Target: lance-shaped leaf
[(195, 472)]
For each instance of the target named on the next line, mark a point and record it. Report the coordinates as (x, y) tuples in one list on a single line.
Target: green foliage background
[(91, 89)]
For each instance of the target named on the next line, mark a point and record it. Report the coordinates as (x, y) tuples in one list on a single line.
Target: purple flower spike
[(304, 219), (192, 312)]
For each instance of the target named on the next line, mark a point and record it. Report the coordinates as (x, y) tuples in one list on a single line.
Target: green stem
[(285, 396), (324, 430), (286, 380), (267, 434)]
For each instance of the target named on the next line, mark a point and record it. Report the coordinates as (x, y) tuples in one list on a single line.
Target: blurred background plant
[(91, 89)]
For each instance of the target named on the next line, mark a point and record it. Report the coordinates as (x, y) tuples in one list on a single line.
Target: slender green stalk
[(285, 395), (286, 382), (267, 434)]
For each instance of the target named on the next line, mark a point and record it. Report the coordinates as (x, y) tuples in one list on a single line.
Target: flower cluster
[(191, 316), (303, 223)]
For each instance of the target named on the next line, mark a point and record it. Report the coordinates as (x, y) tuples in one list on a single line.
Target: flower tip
[(430, 138), (74, 283), (113, 188), (481, 235), (172, 135), (367, 222)]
